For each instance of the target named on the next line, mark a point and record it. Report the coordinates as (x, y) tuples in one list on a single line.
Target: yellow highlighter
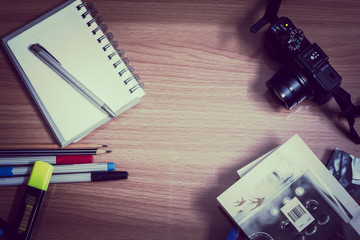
[(32, 201)]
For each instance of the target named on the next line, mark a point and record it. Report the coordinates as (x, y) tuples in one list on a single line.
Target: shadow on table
[(218, 220)]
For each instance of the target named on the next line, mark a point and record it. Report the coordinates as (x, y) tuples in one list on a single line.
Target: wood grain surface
[(206, 113)]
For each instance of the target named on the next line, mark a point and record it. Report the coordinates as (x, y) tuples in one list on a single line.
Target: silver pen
[(55, 65)]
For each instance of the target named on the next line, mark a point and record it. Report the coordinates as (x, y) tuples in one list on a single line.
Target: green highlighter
[(32, 201)]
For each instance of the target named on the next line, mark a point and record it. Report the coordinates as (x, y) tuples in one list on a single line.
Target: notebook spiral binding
[(100, 26)]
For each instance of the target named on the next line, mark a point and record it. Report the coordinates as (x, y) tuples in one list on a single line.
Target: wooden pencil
[(24, 146), (52, 152)]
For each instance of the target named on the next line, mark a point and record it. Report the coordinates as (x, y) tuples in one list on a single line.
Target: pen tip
[(108, 151), (104, 145)]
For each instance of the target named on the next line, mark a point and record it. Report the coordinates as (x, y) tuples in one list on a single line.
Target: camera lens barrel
[(290, 86)]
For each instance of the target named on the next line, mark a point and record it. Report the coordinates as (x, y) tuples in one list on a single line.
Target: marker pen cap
[(106, 176), (6, 171), (41, 175), (110, 166), (74, 159)]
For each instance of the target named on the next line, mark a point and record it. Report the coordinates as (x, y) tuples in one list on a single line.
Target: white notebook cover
[(65, 34)]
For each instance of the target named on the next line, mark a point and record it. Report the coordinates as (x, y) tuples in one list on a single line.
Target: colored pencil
[(24, 146), (52, 152)]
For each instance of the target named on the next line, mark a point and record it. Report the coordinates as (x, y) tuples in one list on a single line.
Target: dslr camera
[(307, 72)]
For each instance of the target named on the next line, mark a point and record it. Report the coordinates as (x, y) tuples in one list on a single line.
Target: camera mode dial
[(295, 39)]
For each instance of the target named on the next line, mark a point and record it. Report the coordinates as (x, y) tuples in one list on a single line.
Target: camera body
[(306, 73)]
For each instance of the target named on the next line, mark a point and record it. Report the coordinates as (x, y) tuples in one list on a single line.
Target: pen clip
[(37, 47)]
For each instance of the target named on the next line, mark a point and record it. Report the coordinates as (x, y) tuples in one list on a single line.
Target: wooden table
[(206, 113)]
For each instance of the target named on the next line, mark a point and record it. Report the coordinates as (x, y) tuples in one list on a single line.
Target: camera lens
[(289, 86)]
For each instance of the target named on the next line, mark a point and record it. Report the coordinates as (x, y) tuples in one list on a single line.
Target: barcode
[(25, 219), (296, 213)]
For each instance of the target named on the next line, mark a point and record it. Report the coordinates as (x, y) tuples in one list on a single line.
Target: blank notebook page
[(70, 40)]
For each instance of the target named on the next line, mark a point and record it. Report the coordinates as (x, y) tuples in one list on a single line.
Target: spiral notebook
[(78, 39)]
